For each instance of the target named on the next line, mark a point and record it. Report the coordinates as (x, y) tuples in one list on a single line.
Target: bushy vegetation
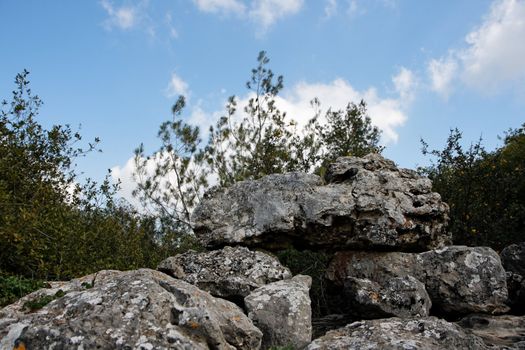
[(52, 226), (485, 190)]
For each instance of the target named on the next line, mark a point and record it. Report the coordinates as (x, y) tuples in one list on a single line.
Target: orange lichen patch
[(236, 318), (193, 324), (374, 296)]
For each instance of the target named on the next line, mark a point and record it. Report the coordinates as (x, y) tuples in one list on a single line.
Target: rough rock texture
[(368, 203), (500, 332), (398, 296), (395, 333), (465, 279), (281, 310), (229, 273), (141, 309), (458, 279), (516, 287), (513, 260)]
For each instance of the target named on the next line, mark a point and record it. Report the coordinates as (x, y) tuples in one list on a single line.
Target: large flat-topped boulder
[(367, 203)]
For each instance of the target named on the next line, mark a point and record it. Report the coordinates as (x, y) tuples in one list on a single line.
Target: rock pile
[(393, 272)]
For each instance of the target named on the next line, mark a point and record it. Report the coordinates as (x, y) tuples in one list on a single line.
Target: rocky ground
[(396, 279)]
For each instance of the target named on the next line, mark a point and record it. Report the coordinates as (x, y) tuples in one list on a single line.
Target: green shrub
[(13, 288)]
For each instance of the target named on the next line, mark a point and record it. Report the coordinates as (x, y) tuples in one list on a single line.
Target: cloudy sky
[(117, 66)]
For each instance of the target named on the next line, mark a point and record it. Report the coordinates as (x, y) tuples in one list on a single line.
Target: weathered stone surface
[(465, 279), (395, 333), (516, 288), (142, 309), (281, 310), (368, 203), (399, 296), (513, 258), (232, 272), (458, 279), (500, 332)]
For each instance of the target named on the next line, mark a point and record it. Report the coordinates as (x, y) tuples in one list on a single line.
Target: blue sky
[(116, 66)]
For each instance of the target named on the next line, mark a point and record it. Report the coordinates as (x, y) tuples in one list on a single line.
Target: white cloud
[(385, 113), (330, 8), (262, 12), (120, 17), (493, 55), (353, 8), (405, 83), (221, 6), (267, 12), (442, 72), (496, 50), (177, 86)]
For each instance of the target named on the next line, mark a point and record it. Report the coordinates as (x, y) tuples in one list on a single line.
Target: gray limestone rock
[(281, 310), (231, 272), (513, 260), (399, 297), (368, 203), (404, 334), (463, 279), (499, 332), (141, 309), (458, 279)]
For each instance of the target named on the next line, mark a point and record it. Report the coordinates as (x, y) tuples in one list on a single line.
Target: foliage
[(246, 143), (313, 264), (13, 288), (52, 226), (485, 190), (38, 303)]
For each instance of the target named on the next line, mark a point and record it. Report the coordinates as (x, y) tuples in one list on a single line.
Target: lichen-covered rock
[(399, 296), (368, 203), (231, 272), (465, 279), (499, 332), (458, 279), (142, 309), (395, 333), (513, 260), (281, 310)]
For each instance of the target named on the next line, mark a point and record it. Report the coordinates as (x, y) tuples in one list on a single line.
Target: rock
[(403, 334), (516, 288), (463, 279), (281, 310), (500, 332), (399, 296), (458, 279), (231, 273), (321, 325), (367, 204), (513, 258), (142, 309)]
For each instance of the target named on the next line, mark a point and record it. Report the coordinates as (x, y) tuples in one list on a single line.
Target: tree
[(52, 226), (248, 142), (255, 143), (485, 190)]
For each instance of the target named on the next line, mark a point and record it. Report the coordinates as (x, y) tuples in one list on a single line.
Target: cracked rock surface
[(367, 203), (281, 310), (458, 279), (231, 272), (403, 334), (141, 309)]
